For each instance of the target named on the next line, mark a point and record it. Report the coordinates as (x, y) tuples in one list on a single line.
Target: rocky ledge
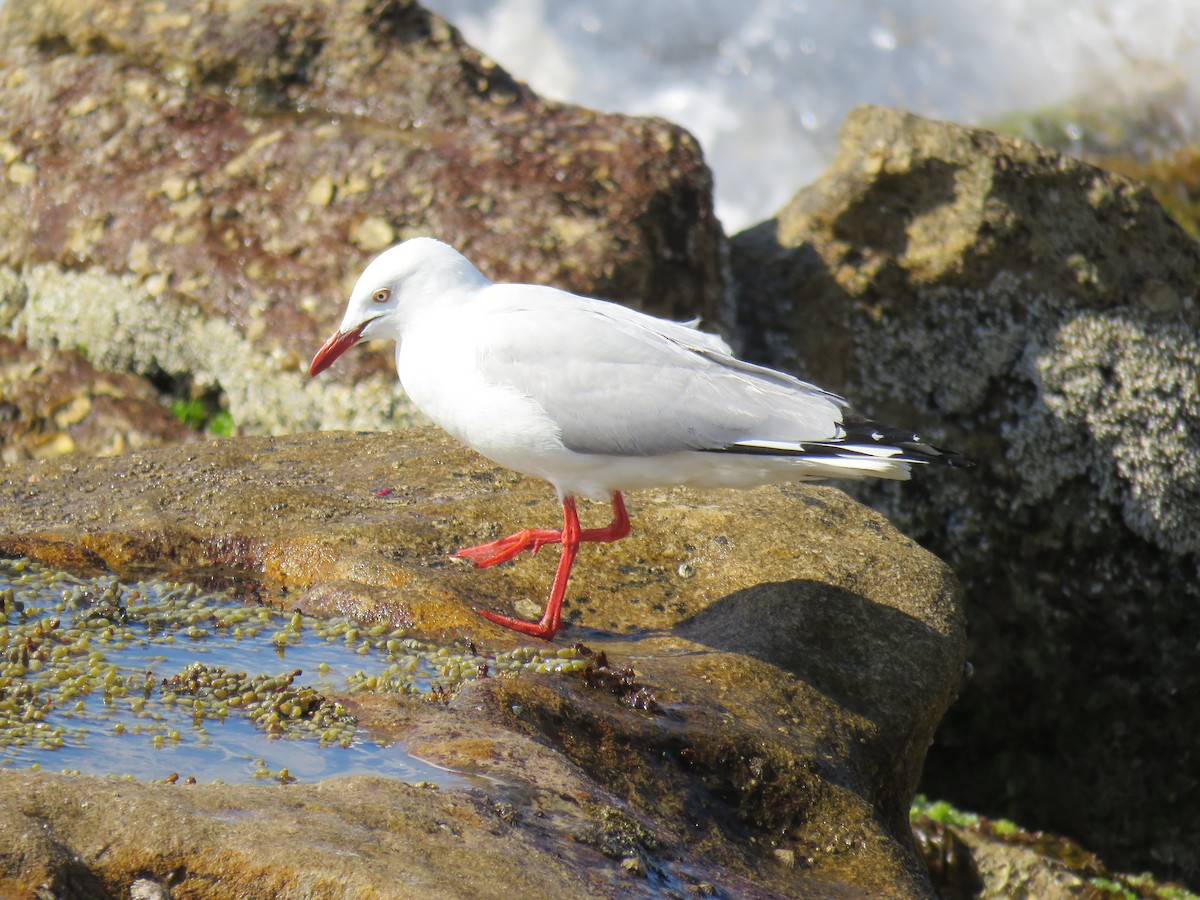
[(758, 730)]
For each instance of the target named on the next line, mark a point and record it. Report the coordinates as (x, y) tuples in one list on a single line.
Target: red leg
[(531, 539), (615, 530), (505, 548), (570, 537)]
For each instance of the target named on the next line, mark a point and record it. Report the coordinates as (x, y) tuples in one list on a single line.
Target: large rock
[(189, 192), (1040, 315), (792, 656)]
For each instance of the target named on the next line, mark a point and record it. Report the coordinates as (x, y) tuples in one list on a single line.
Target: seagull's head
[(398, 280)]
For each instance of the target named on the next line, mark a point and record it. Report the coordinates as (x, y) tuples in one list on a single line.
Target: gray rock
[(148, 889), (1040, 315)]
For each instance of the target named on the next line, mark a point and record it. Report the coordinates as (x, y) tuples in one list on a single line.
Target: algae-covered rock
[(972, 856), (770, 667), (1041, 315)]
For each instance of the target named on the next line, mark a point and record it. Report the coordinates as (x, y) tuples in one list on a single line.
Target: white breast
[(443, 380)]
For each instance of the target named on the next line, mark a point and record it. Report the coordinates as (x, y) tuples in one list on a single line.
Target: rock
[(1040, 315), (777, 663), (971, 856), (54, 403), (356, 836), (192, 195)]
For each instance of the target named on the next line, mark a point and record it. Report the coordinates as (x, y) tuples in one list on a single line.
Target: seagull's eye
[(381, 296)]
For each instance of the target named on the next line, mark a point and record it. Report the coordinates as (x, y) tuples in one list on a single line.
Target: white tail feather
[(854, 467)]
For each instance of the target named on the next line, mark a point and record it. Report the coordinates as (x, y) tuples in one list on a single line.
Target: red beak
[(337, 344)]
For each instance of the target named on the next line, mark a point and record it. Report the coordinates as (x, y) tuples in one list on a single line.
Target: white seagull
[(598, 399)]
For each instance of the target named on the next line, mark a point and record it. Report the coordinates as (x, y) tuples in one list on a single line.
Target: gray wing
[(623, 383)]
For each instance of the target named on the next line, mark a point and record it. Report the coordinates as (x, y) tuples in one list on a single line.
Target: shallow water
[(158, 679)]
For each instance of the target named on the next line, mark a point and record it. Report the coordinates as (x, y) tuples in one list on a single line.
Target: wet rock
[(192, 194), (773, 666), (1040, 315), (357, 836)]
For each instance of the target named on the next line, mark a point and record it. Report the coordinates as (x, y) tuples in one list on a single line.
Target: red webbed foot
[(505, 548)]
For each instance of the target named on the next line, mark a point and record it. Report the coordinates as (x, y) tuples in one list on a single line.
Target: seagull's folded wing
[(622, 383)]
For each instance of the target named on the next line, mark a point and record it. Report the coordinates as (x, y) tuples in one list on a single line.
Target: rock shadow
[(873, 660)]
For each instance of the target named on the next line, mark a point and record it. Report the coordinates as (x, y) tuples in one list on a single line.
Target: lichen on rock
[(1130, 386), (122, 327)]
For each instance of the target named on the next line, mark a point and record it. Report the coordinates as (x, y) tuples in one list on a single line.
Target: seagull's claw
[(505, 548), (543, 629)]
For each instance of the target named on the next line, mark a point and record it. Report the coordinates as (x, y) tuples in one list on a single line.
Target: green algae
[(143, 678)]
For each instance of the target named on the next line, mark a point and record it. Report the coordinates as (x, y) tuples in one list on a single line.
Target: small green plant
[(1115, 888), (202, 414), (192, 413), (942, 812), (221, 424)]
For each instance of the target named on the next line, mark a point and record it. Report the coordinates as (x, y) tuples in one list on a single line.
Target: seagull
[(598, 399)]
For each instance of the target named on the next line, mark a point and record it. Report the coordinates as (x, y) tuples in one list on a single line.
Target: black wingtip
[(952, 459), (917, 451), (860, 429)]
